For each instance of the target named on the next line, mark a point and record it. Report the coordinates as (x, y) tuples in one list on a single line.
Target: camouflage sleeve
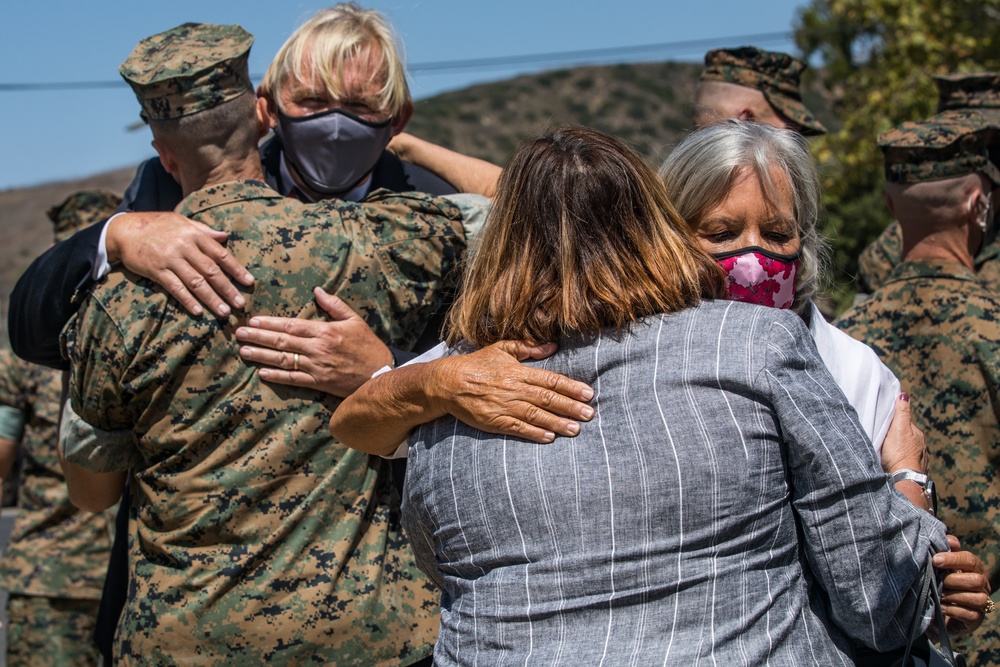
[(879, 259), (98, 358), (417, 236), (11, 423), (93, 449), (988, 351), (398, 217), (407, 249), (12, 389), (13, 405)]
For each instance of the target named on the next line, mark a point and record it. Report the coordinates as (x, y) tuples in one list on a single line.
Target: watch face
[(930, 492)]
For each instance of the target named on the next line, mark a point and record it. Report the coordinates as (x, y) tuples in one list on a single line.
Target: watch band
[(909, 475), (921, 480)]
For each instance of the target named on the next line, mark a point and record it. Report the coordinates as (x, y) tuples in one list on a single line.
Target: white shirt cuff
[(101, 265), (437, 352)]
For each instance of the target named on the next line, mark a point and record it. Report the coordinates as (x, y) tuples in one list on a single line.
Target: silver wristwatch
[(921, 480)]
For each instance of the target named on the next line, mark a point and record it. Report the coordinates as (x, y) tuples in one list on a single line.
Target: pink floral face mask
[(759, 276)]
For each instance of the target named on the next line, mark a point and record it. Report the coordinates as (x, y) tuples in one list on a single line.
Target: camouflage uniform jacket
[(884, 253), (55, 550), (938, 329), (255, 538)]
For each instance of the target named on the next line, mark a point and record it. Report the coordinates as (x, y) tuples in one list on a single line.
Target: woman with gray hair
[(751, 195)]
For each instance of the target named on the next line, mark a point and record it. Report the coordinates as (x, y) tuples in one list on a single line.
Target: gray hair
[(700, 172)]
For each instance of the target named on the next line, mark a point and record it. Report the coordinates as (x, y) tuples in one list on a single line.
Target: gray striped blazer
[(724, 507)]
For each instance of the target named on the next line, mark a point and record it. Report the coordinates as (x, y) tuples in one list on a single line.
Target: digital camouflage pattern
[(50, 632), (884, 253), (949, 145), (980, 90), (255, 538), (82, 209), (988, 266), (777, 75), (56, 555), (187, 69), (938, 329), (956, 92), (879, 258), (55, 550)]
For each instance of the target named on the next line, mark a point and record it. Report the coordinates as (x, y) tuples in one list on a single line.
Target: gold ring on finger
[(295, 361)]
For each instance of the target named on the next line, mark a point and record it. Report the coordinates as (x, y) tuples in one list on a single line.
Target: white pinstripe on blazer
[(724, 507)]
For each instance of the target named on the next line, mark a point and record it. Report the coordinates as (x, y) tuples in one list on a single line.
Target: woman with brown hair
[(688, 520), (587, 243)]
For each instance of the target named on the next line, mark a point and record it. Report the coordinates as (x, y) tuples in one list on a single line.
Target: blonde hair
[(331, 38), (581, 238)]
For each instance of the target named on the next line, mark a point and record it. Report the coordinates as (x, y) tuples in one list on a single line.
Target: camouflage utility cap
[(948, 145), (187, 69), (968, 91), (777, 75), (82, 209)]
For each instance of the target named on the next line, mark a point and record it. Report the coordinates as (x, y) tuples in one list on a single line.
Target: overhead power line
[(444, 66), (587, 54)]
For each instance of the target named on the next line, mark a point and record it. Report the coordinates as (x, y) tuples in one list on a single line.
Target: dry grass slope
[(27, 231)]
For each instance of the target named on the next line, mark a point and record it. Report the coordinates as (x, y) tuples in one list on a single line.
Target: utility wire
[(444, 66)]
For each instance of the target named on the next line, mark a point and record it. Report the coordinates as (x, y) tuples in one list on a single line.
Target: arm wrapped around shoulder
[(867, 545)]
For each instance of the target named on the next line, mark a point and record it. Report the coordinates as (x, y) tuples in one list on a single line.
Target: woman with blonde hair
[(696, 515)]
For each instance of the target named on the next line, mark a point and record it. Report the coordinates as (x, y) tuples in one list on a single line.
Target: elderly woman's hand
[(904, 449), (491, 390), (336, 356), (904, 446), (965, 597), (185, 257)]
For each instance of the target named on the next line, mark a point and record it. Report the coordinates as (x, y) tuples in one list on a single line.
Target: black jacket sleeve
[(50, 291)]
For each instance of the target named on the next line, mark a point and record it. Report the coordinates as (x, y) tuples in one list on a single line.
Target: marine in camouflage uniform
[(254, 537), (938, 328), (776, 75), (53, 568), (956, 92)]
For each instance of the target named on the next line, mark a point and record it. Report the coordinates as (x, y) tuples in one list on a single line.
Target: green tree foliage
[(878, 57)]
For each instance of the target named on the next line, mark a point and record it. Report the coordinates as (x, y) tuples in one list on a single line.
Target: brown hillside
[(27, 230), (646, 104)]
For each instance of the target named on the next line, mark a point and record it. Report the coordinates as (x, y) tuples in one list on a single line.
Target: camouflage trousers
[(49, 632)]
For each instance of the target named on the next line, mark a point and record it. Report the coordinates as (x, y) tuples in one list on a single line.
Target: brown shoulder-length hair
[(581, 238)]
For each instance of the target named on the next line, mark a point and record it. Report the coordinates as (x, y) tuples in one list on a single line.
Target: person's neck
[(230, 170), (949, 245)]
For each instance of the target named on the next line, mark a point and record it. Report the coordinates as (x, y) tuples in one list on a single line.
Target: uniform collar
[(224, 194), (930, 268)]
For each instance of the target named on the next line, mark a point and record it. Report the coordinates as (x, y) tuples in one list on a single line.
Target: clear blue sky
[(53, 136)]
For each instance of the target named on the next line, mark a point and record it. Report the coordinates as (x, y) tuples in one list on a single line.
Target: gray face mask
[(332, 151)]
